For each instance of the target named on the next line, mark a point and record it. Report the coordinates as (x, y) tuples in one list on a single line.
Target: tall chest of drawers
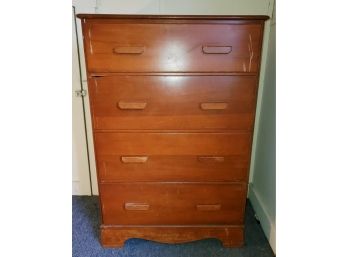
[(173, 102)]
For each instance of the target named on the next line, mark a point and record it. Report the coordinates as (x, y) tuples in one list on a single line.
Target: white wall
[(262, 189), (228, 7)]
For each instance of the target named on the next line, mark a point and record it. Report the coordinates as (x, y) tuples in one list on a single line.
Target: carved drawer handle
[(132, 105), (211, 158), (208, 207), (134, 159), (217, 49), (136, 206), (214, 106), (128, 49)]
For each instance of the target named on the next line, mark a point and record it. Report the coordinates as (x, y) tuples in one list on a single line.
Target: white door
[(81, 184)]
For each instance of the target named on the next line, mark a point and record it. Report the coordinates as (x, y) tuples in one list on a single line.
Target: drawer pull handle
[(134, 159), (208, 207), (217, 49), (213, 106), (129, 50), (132, 105), (211, 158), (136, 206)]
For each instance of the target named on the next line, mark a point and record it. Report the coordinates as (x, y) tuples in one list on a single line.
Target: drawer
[(173, 168), (172, 102), (156, 143), (172, 203), (126, 47)]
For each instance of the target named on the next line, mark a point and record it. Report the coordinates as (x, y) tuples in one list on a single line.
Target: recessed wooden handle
[(208, 207), (136, 206), (217, 49), (213, 106), (134, 159), (129, 49), (131, 105), (211, 158)]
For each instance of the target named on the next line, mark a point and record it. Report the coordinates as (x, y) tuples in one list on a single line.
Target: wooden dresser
[(173, 103)]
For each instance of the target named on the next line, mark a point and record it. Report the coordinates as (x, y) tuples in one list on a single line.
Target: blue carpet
[(85, 238)]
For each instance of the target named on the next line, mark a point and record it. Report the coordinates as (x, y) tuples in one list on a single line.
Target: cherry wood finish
[(173, 203), (180, 168), (129, 49), (173, 104), (115, 236), (159, 143), (124, 47)]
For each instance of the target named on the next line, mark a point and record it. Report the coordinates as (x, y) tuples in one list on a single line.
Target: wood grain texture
[(208, 207), (115, 236), (128, 49), (173, 203), (211, 158), (173, 47), (172, 143), (173, 102), (174, 168), (214, 106)]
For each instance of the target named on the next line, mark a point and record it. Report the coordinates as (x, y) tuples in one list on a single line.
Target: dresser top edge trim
[(174, 17)]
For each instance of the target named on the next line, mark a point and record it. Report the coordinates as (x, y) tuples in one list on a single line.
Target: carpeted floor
[(85, 236)]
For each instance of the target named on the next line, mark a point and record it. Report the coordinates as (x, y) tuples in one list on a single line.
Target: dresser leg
[(109, 240), (119, 244)]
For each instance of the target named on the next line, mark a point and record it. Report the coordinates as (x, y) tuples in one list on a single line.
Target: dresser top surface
[(176, 17)]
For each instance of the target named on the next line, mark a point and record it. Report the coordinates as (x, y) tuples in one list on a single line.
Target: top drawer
[(170, 47)]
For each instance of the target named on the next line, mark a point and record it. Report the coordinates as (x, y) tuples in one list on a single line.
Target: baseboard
[(267, 224)]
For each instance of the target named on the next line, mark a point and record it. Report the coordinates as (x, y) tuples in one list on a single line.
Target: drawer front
[(127, 47), (173, 102), (172, 203), (196, 144), (173, 168)]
